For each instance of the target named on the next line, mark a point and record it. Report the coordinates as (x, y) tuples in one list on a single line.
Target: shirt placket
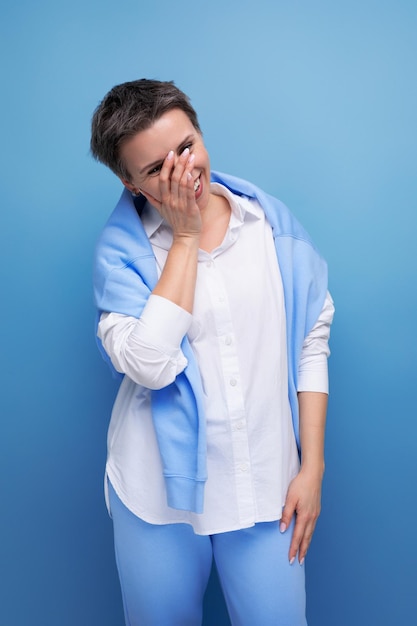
[(227, 349)]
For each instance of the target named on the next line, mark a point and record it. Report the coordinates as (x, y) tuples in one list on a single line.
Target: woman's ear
[(136, 191), (130, 186)]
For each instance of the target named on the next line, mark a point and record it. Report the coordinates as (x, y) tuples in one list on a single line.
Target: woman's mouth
[(198, 187)]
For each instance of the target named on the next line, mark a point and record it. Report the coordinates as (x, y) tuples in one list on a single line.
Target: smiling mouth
[(197, 184)]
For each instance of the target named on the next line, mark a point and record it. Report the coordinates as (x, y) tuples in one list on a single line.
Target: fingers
[(165, 176), (175, 179), (301, 539), (287, 514), (179, 177)]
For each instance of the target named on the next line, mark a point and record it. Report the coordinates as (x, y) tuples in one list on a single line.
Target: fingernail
[(292, 560), (186, 151), (302, 561), (170, 155), (189, 177), (282, 527), (191, 159)]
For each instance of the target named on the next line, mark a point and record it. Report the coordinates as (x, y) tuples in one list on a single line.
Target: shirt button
[(209, 263), (243, 467), (228, 340), (233, 382)]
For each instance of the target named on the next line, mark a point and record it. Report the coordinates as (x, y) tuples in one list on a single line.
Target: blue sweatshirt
[(125, 273)]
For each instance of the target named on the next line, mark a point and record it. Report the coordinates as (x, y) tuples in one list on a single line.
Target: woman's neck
[(215, 221)]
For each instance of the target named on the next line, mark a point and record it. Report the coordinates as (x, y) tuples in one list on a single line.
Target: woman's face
[(145, 153)]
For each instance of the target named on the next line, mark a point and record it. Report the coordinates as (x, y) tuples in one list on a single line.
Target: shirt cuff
[(314, 380), (165, 322)]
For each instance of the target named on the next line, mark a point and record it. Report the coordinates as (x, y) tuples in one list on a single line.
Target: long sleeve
[(147, 349)]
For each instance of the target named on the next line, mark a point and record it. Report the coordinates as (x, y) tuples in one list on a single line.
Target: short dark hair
[(128, 109)]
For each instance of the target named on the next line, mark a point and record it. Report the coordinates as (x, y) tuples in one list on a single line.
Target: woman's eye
[(155, 170)]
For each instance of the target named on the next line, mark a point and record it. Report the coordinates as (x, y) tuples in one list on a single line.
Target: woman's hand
[(304, 501), (178, 206)]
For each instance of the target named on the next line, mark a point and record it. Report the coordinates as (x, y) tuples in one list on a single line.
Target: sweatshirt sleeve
[(148, 349)]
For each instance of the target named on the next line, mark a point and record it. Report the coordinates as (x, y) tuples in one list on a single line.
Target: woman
[(212, 302)]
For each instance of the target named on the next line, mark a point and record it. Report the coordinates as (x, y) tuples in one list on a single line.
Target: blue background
[(314, 101)]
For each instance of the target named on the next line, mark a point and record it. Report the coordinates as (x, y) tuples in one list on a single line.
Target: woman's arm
[(179, 208), (148, 349), (304, 493)]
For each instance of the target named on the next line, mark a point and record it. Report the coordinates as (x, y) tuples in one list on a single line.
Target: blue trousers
[(164, 570)]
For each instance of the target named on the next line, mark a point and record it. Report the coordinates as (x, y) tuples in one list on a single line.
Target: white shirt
[(237, 332)]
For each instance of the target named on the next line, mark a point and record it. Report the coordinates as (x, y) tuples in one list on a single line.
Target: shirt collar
[(151, 219)]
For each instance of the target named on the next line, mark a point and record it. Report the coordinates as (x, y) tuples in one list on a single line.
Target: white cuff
[(164, 322)]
